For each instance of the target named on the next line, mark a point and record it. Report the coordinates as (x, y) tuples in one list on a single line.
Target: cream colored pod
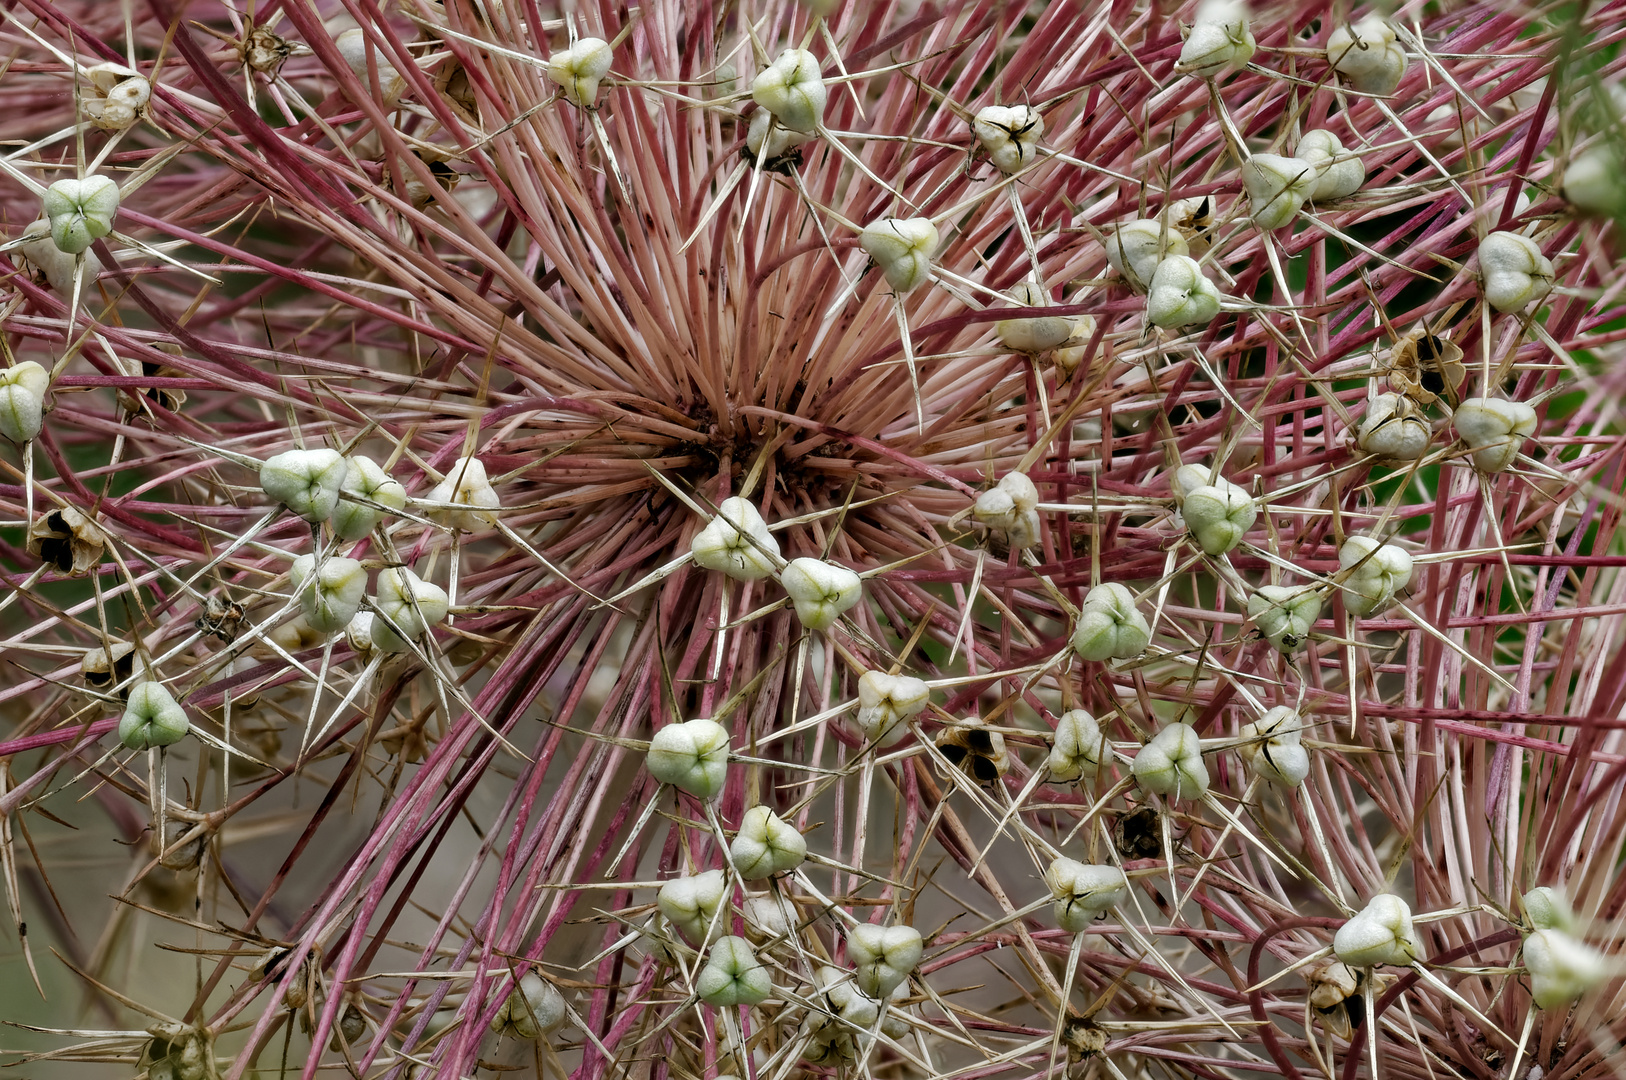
[(764, 914), (578, 70), (1284, 614), (691, 903), (359, 634), (364, 477), (736, 542), (1494, 429), (792, 88), (1219, 38), (1136, 247), (22, 400), (1562, 968), (465, 484), (692, 756), (1337, 174), (766, 845), (1514, 270), (882, 956), (775, 137), (1380, 933), (51, 262), (353, 46), (1378, 572), (1082, 892), (1595, 181), (532, 1009), (1010, 135), (1393, 428), (1110, 627), (411, 603), (1277, 187), (1367, 55), (820, 591), (305, 481), (1010, 508), (1271, 748), (331, 596), (121, 96), (902, 248), (1179, 294), (152, 717), (1548, 909), (1171, 764), (80, 211), (1078, 748), (1070, 353), (1032, 335), (886, 703), (733, 975), (1218, 512)]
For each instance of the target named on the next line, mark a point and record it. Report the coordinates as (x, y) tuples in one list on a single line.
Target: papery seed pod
[(1333, 985), (1378, 573), (820, 591), (737, 542), (902, 248), (80, 211), (1136, 247), (110, 666), (1032, 335), (351, 1027), (171, 853), (305, 481), (68, 540), (1010, 135), (1079, 747), (1338, 173), (1218, 512), (1367, 56), (1514, 270), (1070, 354), (152, 717), (1393, 429), (363, 476), (1277, 187), (118, 97), (1171, 764), (354, 47), (1219, 38), (22, 400), (1562, 968), (691, 903), (1380, 933), (531, 1010), (1494, 429), (883, 956), (975, 749), (766, 845), (733, 975), (1180, 295), (1423, 365), (329, 595), (1010, 510), (411, 603), (1284, 614), (1271, 747), (359, 634), (768, 917), (792, 89), (1109, 626), (265, 51), (691, 756), (465, 484), (579, 69), (885, 704)]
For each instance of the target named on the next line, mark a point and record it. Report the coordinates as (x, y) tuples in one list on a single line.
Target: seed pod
[(820, 591), (1367, 55), (765, 917), (1284, 614), (1136, 247), (305, 481), (1494, 429), (691, 903), (1547, 909), (1110, 627), (66, 539), (1514, 270), (1179, 295), (118, 97), (531, 1010), (411, 603), (22, 400), (579, 69), (883, 956), (737, 542), (49, 264), (465, 484), (1219, 38), (1393, 429), (692, 756), (354, 47), (1562, 968), (1032, 335), (975, 749), (331, 596), (363, 476), (733, 975), (902, 248), (1595, 181), (359, 634), (1380, 571), (1079, 747), (1218, 512), (1010, 510), (1171, 763), (1339, 174), (1070, 353), (768, 141), (1271, 747), (1082, 892), (351, 1027), (792, 89), (886, 702), (152, 717), (1277, 187), (104, 668), (1380, 933), (1010, 135), (766, 845), (80, 211)]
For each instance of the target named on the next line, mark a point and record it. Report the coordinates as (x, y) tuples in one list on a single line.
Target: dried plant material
[(975, 749), (68, 540)]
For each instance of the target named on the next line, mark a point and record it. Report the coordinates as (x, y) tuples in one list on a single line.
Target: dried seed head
[(820, 591), (1172, 764), (1277, 187), (1180, 295), (1010, 510), (66, 539), (792, 88), (152, 717), (1136, 247), (885, 704), (1338, 173), (1010, 135), (737, 542), (883, 956), (975, 749), (1380, 933), (305, 481), (1378, 572), (1284, 614), (1219, 38), (692, 756), (1423, 365), (1110, 627), (1514, 270), (902, 248), (411, 603), (118, 97), (104, 668), (766, 845), (1271, 747), (579, 69), (1367, 56), (1083, 892), (1079, 747)]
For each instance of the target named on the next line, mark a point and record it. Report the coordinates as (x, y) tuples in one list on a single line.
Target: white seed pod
[(1272, 748), (1380, 933), (1070, 353), (1380, 571), (1110, 627), (902, 248), (531, 1010), (882, 957), (1078, 748), (65, 538), (1032, 335), (1562, 968), (691, 903), (1277, 187), (766, 845), (885, 704), (305, 481), (1136, 247), (1338, 173), (1010, 510), (1393, 428), (359, 634), (733, 975), (1218, 512), (792, 88), (779, 139), (331, 597), (119, 96), (1179, 294), (691, 756), (354, 47), (1514, 270), (152, 717), (1595, 181), (1219, 39), (465, 484), (579, 69), (1367, 55), (80, 211), (22, 400), (1548, 909), (50, 263), (764, 914), (820, 591), (411, 603), (1284, 614), (1009, 134), (1083, 892), (737, 542), (1172, 764), (1494, 430), (366, 478)]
